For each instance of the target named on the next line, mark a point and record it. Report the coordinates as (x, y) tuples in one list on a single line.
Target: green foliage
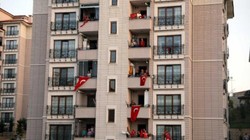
[(21, 126), (2, 125)]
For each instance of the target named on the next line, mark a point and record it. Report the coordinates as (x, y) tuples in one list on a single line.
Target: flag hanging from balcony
[(143, 79), (81, 81), (85, 20), (167, 135), (134, 112)]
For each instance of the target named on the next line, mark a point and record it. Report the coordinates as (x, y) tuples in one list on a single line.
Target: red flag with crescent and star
[(134, 112), (167, 135), (81, 81), (143, 79)]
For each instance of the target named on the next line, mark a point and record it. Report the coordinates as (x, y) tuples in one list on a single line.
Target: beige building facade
[(15, 48), (178, 46)]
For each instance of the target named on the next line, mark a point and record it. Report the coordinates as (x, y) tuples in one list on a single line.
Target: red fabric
[(133, 133), (134, 112), (81, 81), (133, 16), (142, 43), (167, 136), (85, 20), (143, 79)]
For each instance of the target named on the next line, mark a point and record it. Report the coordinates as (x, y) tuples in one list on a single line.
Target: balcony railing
[(12, 33), (169, 50), (10, 61), (7, 120), (60, 110), (169, 20), (7, 105), (166, 0), (63, 1), (63, 26), (175, 79), (7, 91), (162, 137), (10, 47), (59, 54), (61, 81), (9, 75), (168, 109)]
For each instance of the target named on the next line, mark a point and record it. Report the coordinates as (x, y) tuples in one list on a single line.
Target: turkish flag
[(85, 20), (167, 136), (81, 81), (134, 112), (143, 79)]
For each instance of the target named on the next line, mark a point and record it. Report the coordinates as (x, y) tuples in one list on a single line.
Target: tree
[(21, 126), (2, 125)]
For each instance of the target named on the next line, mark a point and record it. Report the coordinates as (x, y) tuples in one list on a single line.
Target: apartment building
[(15, 47), (167, 56)]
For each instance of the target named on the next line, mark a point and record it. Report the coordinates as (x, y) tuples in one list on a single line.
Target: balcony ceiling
[(139, 3)]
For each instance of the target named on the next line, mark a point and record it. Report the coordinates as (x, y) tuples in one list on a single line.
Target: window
[(168, 74), (63, 77), (173, 130), (170, 16), (114, 2), (60, 132), (10, 59), (169, 45), (111, 115), (64, 49), (113, 56), (6, 116), (65, 21), (91, 101), (7, 102), (168, 104), (9, 73), (8, 88), (11, 45), (63, 1), (112, 85), (113, 27), (12, 30), (88, 68), (1, 41), (90, 12), (62, 105)]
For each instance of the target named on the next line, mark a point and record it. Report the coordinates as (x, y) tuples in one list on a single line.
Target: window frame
[(59, 106), (111, 115), (114, 2), (64, 21), (159, 135), (61, 80), (169, 49), (174, 109), (113, 27), (172, 19), (64, 51), (64, 133), (113, 56), (112, 81), (174, 76)]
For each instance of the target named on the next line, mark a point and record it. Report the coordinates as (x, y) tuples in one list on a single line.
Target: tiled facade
[(15, 48), (181, 45)]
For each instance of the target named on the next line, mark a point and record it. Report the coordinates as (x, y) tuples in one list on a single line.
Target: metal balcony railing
[(10, 61), (169, 20), (7, 91), (64, 26), (168, 109), (175, 79), (61, 81), (58, 54), (7, 105), (63, 1), (169, 50), (12, 33), (60, 110), (9, 75), (10, 47)]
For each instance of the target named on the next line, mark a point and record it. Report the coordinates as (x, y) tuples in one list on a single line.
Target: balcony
[(8, 91), (7, 106), (169, 23), (64, 3), (173, 52), (85, 129), (64, 27), (174, 82), (89, 27), (161, 137), (134, 83), (167, 0), (168, 112), (90, 84), (62, 55), (85, 112), (86, 2), (9, 61), (87, 54), (10, 47), (139, 52), (140, 24), (60, 111), (144, 113), (12, 33), (9, 76), (61, 83)]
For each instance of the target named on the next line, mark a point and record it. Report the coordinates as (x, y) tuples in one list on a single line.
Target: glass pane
[(67, 133), (65, 47), (170, 17), (65, 21), (176, 133), (168, 100), (52, 132), (69, 105), (177, 45), (160, 74), (58, 21), (71, 49), (161, 16), (177, 14), (177, 74), (160, 132), (62, 105), (161, 45), (72, 21), (169, 44), (160, 104), (169, 75), (60, 132), (54, 105), (57, 49)]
